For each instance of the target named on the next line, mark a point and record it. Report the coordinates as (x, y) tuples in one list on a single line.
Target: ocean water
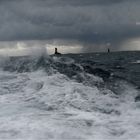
[(70, 97)]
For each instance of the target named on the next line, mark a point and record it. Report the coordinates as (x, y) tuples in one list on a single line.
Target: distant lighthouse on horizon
[(56, 52), (108, 50), (108, 47)]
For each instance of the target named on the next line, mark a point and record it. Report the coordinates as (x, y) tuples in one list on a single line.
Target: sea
[(91, 96)]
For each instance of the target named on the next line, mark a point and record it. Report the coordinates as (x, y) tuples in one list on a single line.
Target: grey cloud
[(75, 2), (89, 22)]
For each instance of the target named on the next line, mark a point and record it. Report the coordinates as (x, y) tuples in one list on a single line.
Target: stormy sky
[(71, 25)]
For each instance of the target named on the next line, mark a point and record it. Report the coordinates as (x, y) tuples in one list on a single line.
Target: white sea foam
[(137, 62), (36, 106)]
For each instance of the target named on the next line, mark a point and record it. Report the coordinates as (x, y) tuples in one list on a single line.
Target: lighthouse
[(56, 52)]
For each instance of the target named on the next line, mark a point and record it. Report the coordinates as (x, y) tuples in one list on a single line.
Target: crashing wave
[(66, 98)]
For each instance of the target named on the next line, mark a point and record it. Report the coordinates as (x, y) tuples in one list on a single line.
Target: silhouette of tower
[(108, 50), (56, 52)]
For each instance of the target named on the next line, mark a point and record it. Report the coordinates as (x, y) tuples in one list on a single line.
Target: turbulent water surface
[(78, 97)]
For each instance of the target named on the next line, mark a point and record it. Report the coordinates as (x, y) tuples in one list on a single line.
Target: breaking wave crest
[(62, 98)]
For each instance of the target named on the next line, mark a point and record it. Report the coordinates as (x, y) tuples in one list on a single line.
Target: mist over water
[(73, 96)]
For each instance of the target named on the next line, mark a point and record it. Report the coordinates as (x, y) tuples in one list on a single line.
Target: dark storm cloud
[(72, 2), (86, 21)]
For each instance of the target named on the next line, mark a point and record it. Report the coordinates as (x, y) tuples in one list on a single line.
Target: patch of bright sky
[(20, 48), (137, 23), (131, 44)]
